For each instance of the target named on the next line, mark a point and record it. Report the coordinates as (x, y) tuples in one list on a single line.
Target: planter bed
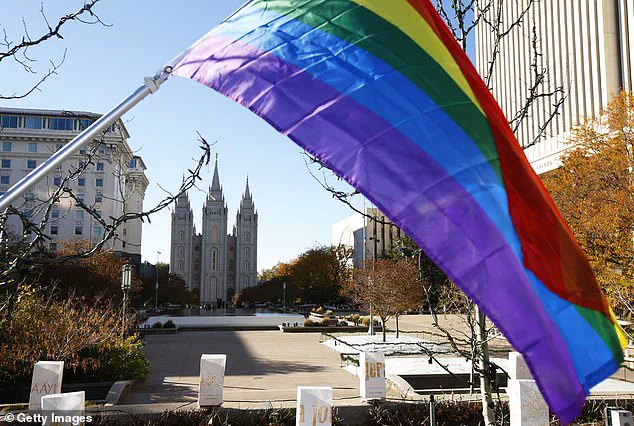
[(331, 329)]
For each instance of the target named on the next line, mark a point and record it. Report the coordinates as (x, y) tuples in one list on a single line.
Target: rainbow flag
[(380, 92)]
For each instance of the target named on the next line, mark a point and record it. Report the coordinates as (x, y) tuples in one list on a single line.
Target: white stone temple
[(216, 263)]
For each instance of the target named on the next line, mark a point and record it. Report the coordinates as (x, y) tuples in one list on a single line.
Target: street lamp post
[(126, 286), (158, 253), (284, 287)]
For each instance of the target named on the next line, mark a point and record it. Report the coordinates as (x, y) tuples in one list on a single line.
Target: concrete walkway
[(261, 366)]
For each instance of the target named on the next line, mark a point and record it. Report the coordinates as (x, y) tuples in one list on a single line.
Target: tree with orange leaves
[(392, 287), (593, 189), (92, 276)]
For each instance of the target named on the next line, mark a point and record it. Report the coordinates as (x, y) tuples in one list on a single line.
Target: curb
[(116, 392)]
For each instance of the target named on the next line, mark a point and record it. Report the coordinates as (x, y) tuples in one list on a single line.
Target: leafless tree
[(28, 251), (20, 51)]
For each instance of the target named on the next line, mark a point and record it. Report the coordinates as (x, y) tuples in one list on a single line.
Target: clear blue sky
[(103, 65)]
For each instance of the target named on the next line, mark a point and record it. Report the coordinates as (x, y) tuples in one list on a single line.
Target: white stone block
[(46, 380), (621, 418), (212, 379), (526, 404), (518, 368), (64, 408), (314, 406), (372, 375)]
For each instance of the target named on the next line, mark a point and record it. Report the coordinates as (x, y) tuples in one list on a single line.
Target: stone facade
[(584, 45), (113, 183), (214, 262)]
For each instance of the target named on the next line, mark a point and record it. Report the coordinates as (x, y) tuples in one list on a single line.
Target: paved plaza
[(261, 366)]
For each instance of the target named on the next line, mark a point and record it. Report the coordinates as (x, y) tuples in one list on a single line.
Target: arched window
[(245, 281), (214, 259), (181, 251), (182, 236), (246, 265), (180, 265), (246, 251), (214, 233), (246, 237)]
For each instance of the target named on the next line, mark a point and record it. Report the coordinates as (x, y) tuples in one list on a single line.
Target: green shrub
[(320, 310), (356, 318), (169, 324), (86, 336), (157, 325), (342, 324), (124, 361), (328, 313)]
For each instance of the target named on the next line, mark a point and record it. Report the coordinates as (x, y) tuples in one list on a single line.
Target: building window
[(182, 236), (99, 182), (81, 182), (79, 230), (4, 180), (181, 251), (97, 231), (214, 259), (57, 181), (53, 230), (82, 151), (33, 123), (246, 265), (100, 167), (246, 281), (246, 251), (102, 149), (61, 123), (32, 147), (98, 198), (79, 214), (6, 164), (6, 146), (9, 122), (125, 232), (30, 164), (55, 214), (246, 237), (124, 244), (83, 124), (53, 247), (180, 265)]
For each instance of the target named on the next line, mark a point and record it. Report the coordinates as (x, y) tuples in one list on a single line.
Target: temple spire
[(215, 183), (247, 192)]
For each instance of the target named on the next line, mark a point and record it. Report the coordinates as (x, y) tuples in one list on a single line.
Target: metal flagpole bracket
[(150, 85)]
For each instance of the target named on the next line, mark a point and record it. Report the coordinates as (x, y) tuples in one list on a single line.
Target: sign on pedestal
[(314, 406), (526, 403), (212, 379), (64, 408), (46, 380), (372, 375)]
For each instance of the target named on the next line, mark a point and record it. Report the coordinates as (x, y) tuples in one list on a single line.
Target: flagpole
[(150, 85)]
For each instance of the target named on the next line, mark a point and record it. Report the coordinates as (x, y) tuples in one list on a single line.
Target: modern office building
[(585, 46), (216, 263), (377, 236), (114, 181)]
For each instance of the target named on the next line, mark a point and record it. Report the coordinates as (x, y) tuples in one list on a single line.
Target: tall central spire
[(215, 183)]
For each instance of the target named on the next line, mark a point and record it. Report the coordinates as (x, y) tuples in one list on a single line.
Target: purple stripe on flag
[(414, 191)]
